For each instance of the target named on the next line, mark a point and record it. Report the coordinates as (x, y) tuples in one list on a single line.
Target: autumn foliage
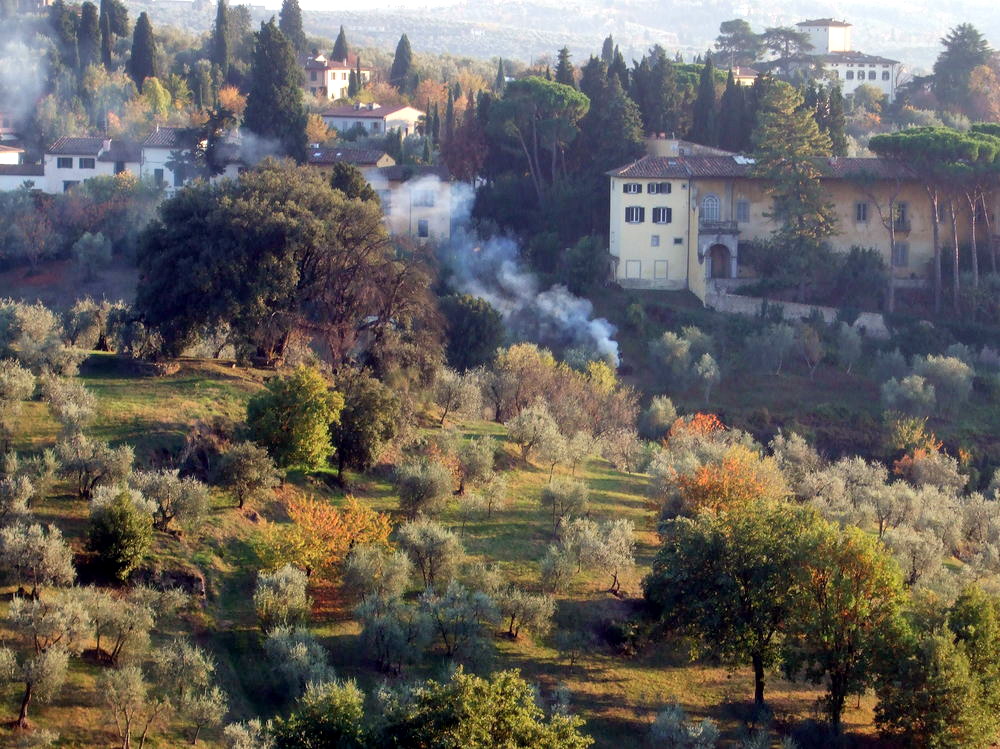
[(320, 534), (741, 476), (697, 425)]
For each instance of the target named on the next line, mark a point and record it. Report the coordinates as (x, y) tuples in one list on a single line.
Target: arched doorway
[(721, 261)]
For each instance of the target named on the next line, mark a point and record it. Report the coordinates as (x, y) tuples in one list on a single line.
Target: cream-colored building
[(331, 78), (416, 201), (679, 217), (367, 160), (374, 119), (832, 51)]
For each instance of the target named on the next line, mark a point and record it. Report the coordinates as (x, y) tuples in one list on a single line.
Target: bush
[(121, 531), (424, 487), (91, 252), (656, 420), (280, 598), (950, 377), (292, 418), (912, 395), (248, 472)]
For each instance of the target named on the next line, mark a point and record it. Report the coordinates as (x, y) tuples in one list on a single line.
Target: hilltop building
[(373, 119), (331, 78)]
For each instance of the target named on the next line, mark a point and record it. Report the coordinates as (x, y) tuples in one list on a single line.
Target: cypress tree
[(427, 157), (88, 36), (402, 62), (835, 122), (63, 23), (449, 118), (220, 40), (142, 62), (340, 49), (620, 69), (608, 51), (290, 23), (274, 101), (564, 69), (732, 136), (500, 82), (704, 125), (106, 42), (548, 73), (352, 85), (436, 124)]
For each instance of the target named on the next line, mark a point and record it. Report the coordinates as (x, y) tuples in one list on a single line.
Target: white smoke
[(491, 269), (23, 71)]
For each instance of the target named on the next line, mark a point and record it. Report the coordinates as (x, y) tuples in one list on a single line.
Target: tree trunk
[(955, 281), (22, 716), (890, 295), (936, 238), (758, 679), (973, 200), (989, 234)]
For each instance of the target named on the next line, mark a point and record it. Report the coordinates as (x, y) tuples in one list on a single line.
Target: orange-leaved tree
[(741, 475)]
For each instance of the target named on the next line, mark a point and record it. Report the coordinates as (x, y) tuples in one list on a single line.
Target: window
[(663, 215), (660, 270), (158, 177), (86, 163), (872, 75), (631, 188), (861, 212), (633, 269), (658, 188), (119, 167), (312, 75), (900, 255), (902, 212), (849, 75), (64, 163), (423, 228), (385, 197), (69, 184), (375, 127), (743, 211), (678, 240), (179, 176), (710, 208), (885, 75), (424, 198), (635, 214), (654, 240)]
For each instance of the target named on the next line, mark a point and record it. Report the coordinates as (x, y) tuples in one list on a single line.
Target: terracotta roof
[(315, 63), (740, 71), (352, 111), (122, 150), (356, 156), (22, 170), (69, 144), (163, 137), (693, 167), (824, 22), (853, 56)]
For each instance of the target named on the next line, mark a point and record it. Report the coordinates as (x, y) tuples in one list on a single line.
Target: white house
[(831, 40), (11, 154), (331, 78), (72, 160), (373, 118), (13, 176), (156, 152), (416, 200)]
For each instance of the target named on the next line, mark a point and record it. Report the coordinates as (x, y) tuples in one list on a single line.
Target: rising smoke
[(492, 269)]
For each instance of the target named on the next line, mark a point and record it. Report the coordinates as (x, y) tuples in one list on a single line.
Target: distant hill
[(527, 29)]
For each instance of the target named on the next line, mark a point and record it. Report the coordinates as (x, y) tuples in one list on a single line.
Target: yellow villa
[(680, 215)]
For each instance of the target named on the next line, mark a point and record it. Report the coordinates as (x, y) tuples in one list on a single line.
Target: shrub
[(950, 377), (121, 530), (656, 420), (424, 487), (280, 598), (912, 395)]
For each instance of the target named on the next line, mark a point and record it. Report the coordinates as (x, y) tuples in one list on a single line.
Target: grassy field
[(617, 696)]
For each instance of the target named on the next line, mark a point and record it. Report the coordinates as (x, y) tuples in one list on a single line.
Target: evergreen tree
[(654, 89), (88, 36), (500, 82), (290, 23), (548, 73), (619, 69), (106, 42), (402, 63), (732, 119), (965, 49), (449, 118), (608, 51), (787, 146), (63, 22), (352, 85), (142, 61), (835, 122), (564, 69), (427, 157), (737, 44), (220, 40), (436, 124), (704, 127), (274, 102), (340, 49)]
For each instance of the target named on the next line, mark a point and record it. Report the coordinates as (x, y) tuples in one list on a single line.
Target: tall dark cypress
[(142, 61), (63, 23), (352, 85), (340, 49), (274, 102), (290, 23), (835, 122), (619, 68), (402, 62), (732, 136), (704, 125), (449, 118), (608, 51), (88, 36), (500, 82), (106, 42), (564, 69), (220, 39)]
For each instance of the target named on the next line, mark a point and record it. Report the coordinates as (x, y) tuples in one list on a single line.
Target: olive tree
[(36, 556), (435, 551), (424, 487), (183, 499), (91, 464), (475, 461), (69, 401), (298, 657), (523, 610), (15, 494), (280, 598), (375, 569), (455, 392), (950, 377), (462, 620), (912, 395), (531, 428), (248, 472), (392, 632), (16, 386), (91, 252), (564, 498), (656, 420)]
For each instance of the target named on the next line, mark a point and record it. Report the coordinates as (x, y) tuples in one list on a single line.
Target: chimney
[(105, 145)]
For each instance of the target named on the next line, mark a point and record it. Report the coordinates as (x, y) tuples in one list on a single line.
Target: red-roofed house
[(373, 118), (330, 78)]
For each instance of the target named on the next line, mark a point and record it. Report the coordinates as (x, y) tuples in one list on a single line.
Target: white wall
[(56, 177)]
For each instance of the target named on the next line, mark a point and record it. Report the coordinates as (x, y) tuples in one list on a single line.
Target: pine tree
[(290, 23), (731, 117), (88, 36), (220, 41), (340, 49), (500, 82), (142, 61), (402, 62), (274, 102), (704, 126), (835, 122), (608, 51), (564, 69)]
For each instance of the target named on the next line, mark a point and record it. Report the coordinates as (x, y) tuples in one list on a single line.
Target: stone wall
[(871, 323)]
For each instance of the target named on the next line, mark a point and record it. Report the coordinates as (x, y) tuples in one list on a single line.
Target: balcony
[(901, 226), (717, 227)]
